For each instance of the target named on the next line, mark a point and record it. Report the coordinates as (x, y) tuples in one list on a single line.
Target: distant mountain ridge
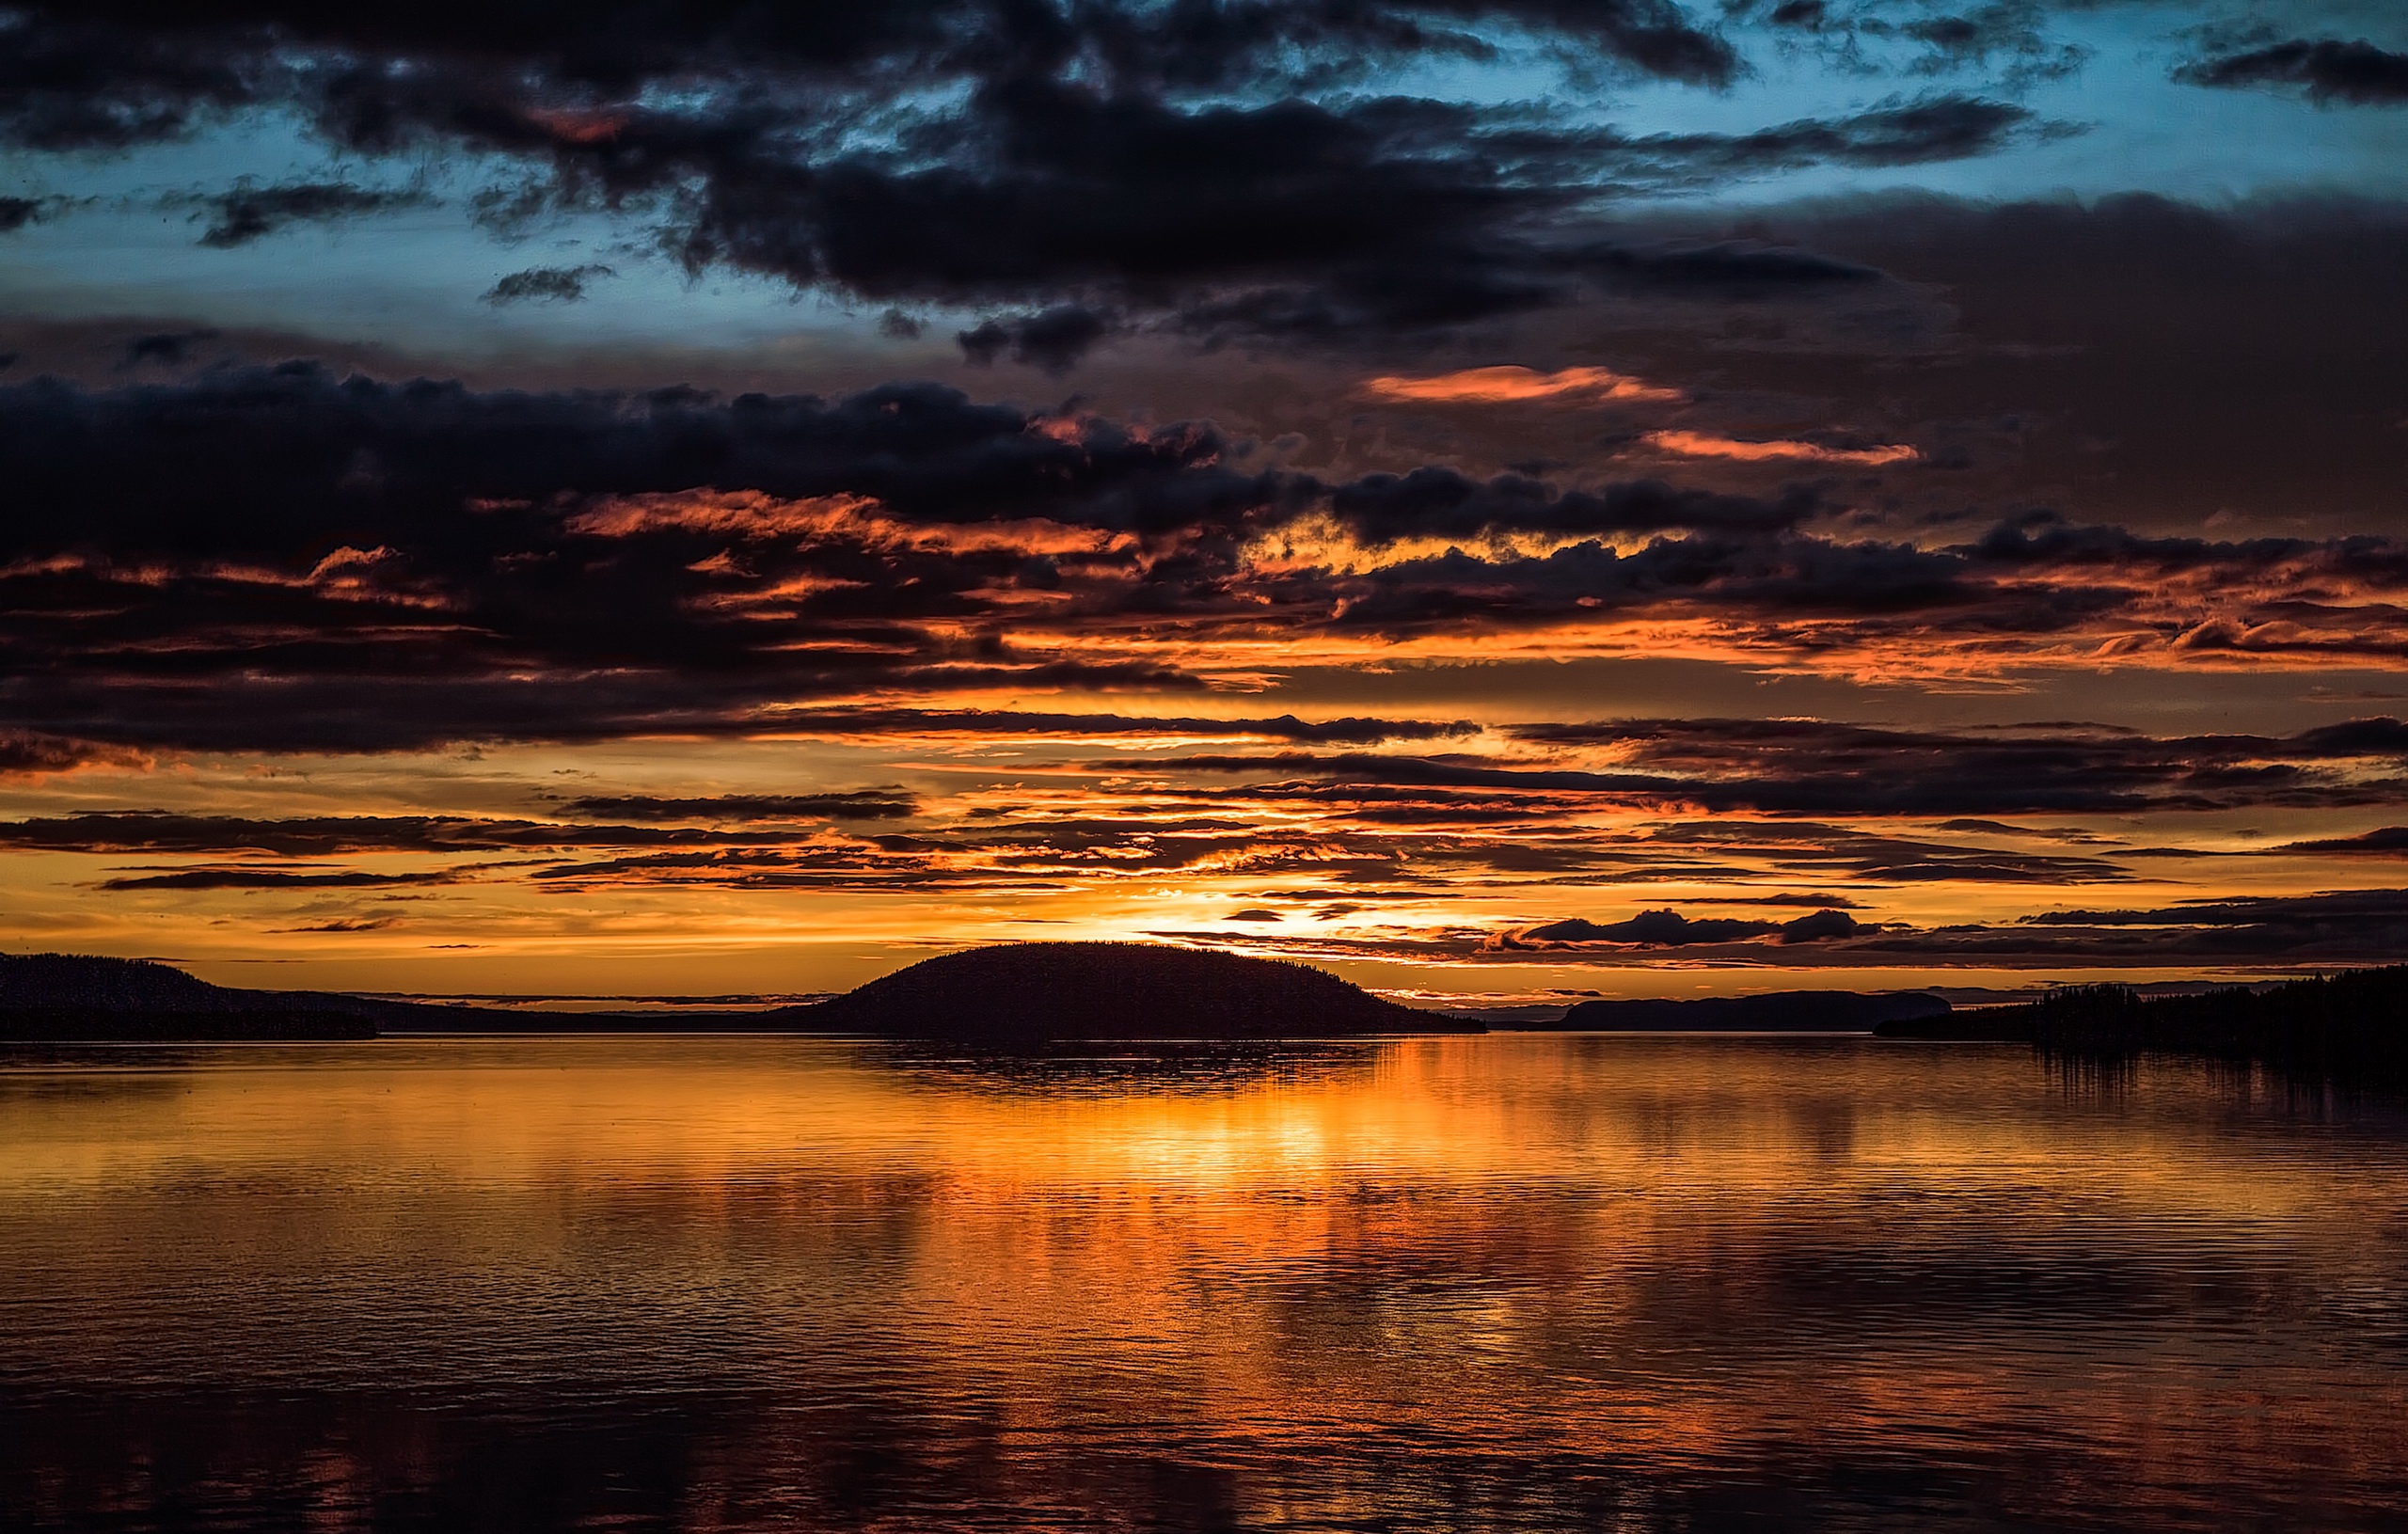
[(1772, 1012)]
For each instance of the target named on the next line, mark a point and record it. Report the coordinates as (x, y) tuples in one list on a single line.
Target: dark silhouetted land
[(1775, 1012), (84, 998), (79, 998), (2347, 1027), (1012, 995), (1044, 992)]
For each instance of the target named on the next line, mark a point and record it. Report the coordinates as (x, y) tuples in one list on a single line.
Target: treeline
[(2349, 1027)]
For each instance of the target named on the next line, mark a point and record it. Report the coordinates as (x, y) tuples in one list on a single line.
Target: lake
[(1519, 1282)]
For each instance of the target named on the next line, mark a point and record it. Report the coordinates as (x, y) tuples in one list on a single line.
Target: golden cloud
[(1512, 385), (1700, 445)]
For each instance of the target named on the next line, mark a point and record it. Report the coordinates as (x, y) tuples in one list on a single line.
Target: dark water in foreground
[(1508, 1283)]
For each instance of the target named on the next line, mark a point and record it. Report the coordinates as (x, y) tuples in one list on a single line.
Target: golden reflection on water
[(1503, 1282)]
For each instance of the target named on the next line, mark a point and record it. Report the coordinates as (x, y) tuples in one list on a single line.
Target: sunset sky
[(1511, 500)]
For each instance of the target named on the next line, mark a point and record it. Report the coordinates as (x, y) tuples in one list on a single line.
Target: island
[(1026, 993)]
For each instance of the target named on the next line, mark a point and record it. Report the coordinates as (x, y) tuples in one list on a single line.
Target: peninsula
[(2350, 1026)]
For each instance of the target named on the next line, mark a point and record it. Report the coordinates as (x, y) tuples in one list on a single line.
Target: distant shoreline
[(2350, 1028)]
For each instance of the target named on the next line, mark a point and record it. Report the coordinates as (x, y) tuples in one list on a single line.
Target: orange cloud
[(854, 519), (1507, 384), (1700, 445), (745, 513)]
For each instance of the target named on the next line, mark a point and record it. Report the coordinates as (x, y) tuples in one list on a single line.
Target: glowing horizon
[(1503, 502)]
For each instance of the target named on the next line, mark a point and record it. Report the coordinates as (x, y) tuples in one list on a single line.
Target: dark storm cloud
[(2070, 366), (1037, 853), (614, 44), (265, 461), (1159, 162), (2353, 926), (1667, 928), (2348, 927), (1916, 132), (2389, 841), (2357, 925), (16, 213), (2007, 37), (1053, 341), (1976, 598), (293, 531), (156, 832), (27, 754), (1441, 503), (915, 722), (1012, 833), (1975, 34), (165, 348), (1817, 901), (866, 870), (71, 82), (860, 804), (251, 212), (1383, 217), (2388, 904), (1815, 767), (276, 558), (1727, 268), (1809, 849), (1542, 824), (325, 528), (1797, 767), (268, 878), (2328, 68), (552, 284)]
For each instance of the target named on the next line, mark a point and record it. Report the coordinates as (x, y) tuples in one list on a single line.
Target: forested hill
[(1020, 994)]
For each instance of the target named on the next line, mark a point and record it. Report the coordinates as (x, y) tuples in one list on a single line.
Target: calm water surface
[(1469, 1284)]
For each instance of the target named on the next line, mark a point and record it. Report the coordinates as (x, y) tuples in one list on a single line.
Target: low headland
[(2349, 1027), (82, 998)]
